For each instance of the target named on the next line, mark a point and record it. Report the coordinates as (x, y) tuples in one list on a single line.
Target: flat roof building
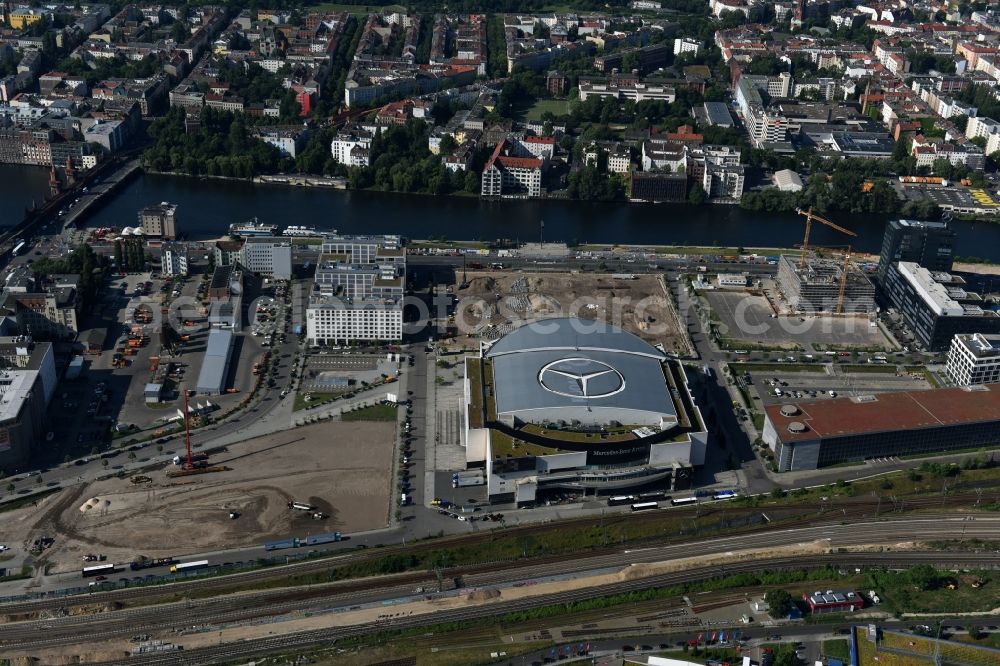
[(820, 433), (834, 601), (159, 220), (936, 306), (974, 359), (25, 392), (928, 244), (717, 113), (267, 255), (358, 293), (215, 365)]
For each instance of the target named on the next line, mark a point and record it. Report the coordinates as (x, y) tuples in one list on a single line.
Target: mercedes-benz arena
[(582, 406)]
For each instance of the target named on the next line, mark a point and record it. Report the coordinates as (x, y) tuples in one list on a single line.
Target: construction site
[(824, 285), (238, 496), (491, 304)]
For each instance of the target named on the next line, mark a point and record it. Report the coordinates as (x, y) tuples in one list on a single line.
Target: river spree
[(207, 208), (18, 186)]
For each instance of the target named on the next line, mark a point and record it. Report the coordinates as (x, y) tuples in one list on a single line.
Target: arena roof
[(888, 412), (579, 370)]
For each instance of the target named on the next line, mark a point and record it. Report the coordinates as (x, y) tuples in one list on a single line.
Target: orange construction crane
[(843, 282), (810, 216)]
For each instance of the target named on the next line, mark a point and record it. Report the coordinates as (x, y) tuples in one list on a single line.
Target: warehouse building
[(815, 434), (572, 405), (816, 286), (974, 359), (936, 306), (215, 365)]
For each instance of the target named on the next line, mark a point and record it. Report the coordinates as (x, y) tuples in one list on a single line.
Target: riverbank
[(206, 208), (302, 181)]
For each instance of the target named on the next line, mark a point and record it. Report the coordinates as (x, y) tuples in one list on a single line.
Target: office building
[(687, 45), (974, 359), (928, 244), (626, 90), (545, 404), (936, 306), (159, 220), (821, 433), (358, 291), (267, 255)]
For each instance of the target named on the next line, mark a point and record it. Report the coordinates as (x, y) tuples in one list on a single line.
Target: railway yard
[(245, 623)]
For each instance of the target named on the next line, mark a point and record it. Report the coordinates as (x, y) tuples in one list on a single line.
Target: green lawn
[(837, 648), (873, 368), (928, 128), (378, 412), (557, 107)]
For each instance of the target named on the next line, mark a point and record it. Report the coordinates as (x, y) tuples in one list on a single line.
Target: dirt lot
[(316, 464), (494, 303)]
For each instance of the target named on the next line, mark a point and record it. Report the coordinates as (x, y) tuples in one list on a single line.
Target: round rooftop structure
[(579, 372), (789, 410)]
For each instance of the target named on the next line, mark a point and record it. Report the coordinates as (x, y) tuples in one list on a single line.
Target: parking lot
[(742, 317), (825, 382)]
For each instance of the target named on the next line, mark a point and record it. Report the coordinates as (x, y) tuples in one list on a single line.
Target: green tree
[(923, 577), (697, 195), (779, 603)]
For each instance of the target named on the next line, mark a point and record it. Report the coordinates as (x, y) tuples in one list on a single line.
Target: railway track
[(234, 608), (308, 639), (852, 508)]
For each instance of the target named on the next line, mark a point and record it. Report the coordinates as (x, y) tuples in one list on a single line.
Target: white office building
[(175, 260), (358, 291), (687, 45), (974, 359), (268, 255)]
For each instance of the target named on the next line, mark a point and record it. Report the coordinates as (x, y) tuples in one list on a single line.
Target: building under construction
[(815, 287)]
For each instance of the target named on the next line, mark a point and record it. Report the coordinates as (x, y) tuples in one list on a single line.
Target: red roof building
[(826, 432)]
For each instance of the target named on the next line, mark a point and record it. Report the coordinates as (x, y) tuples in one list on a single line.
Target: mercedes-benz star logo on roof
[(581, 378)]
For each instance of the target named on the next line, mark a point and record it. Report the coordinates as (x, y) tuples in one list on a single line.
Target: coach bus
[(621, 500), (681, 501), (653, 496), (98, 570), (724, 494), (645, 506), (188, 566)]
